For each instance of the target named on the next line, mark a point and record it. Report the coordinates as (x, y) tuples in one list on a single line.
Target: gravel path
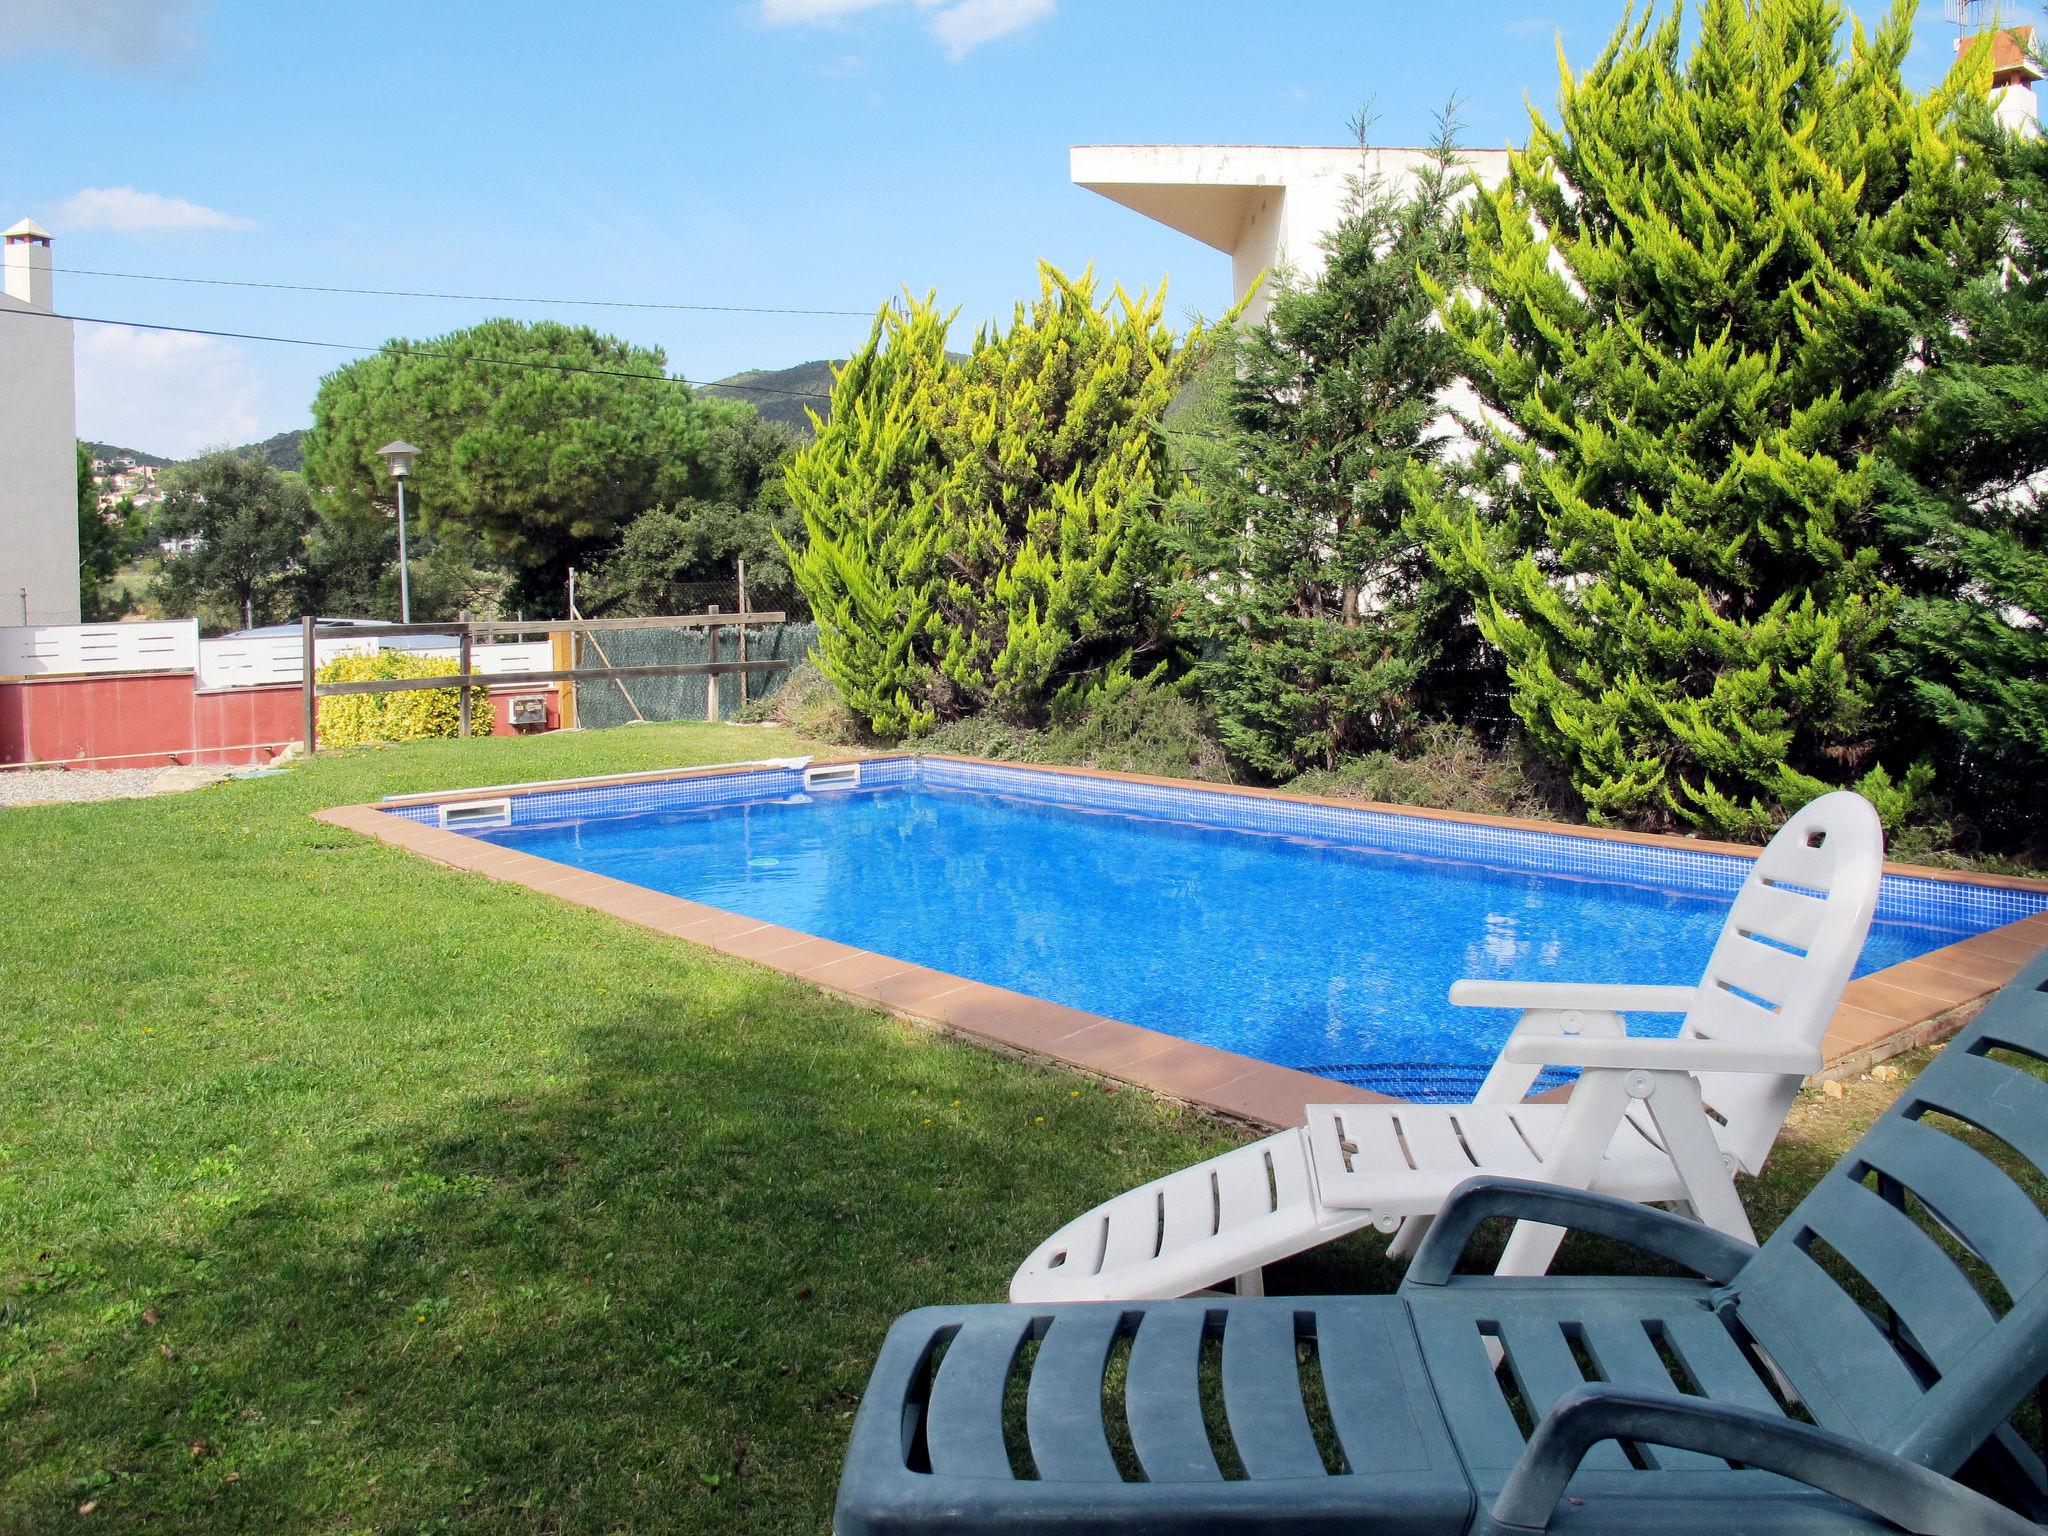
[(45, 786)]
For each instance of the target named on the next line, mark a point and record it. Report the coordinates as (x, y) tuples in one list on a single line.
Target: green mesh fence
[(680, 698)]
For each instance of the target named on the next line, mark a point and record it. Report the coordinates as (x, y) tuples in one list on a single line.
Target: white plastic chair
[(1649, 1119)]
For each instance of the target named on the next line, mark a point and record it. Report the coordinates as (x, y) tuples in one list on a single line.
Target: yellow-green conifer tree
[(982, 530), (1692, 299)]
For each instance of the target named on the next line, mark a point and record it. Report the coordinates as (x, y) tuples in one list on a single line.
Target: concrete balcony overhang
[(1209, 192)]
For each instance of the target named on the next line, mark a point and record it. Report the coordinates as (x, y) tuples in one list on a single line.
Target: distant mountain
[(285, 450), (108, 452), (782, 394)]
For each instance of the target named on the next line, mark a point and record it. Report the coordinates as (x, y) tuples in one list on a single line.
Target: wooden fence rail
[(467, 631)]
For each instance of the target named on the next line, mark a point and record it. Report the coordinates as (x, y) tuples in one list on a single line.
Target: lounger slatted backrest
[(1943, 1332), (1784, 955)]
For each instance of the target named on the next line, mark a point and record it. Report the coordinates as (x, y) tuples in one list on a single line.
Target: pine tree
[(1967, 656), (1305, 588), (982, 532), (1691, 301)]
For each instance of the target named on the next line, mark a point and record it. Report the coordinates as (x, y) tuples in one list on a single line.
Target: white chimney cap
[(27, 229)]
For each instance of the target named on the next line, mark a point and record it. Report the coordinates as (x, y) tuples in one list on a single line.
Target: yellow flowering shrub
[(352, 719)]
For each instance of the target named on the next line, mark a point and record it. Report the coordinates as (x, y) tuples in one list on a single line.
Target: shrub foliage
[(1305, 584), (982, 531), (1968, 655), (1691, 301), (352, 719)]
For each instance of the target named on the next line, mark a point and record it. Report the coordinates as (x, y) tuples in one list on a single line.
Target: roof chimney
[(25, 264)]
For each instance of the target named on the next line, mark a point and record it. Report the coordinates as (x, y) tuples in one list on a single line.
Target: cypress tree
[(1305, 587), (982, 532), (868, 488), (1967, 657), (1691, 301)]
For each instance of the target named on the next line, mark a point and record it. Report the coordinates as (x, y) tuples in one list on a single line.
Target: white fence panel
[(273, 659), (50, 650), (267, 660), (499, 660), (530, 656)]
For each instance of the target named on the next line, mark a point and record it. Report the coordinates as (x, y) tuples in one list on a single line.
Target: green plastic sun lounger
[(1856, 1373)]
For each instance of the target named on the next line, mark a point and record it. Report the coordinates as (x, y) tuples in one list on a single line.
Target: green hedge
[(355, 718)]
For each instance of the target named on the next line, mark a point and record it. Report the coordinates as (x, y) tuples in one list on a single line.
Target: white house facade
[(1267, 207), (38, 438)]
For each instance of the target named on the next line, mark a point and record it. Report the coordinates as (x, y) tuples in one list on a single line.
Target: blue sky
[(790, 153)]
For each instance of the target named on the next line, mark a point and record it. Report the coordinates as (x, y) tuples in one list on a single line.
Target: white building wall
[(1267, 206), (38, 442)]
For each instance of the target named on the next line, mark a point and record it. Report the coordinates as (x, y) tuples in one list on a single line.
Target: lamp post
[(398, 457)]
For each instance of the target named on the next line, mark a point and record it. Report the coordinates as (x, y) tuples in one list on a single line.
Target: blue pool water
[(1295, 936)]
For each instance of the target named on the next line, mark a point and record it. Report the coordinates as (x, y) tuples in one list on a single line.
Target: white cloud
[(960, 26), (125, 211), (116, 34), (967, 25), (1524, 26), (164, 392)]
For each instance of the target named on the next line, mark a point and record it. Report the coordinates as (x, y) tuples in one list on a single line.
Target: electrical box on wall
[(528, 709)]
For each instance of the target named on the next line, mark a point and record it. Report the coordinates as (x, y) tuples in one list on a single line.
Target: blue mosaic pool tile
[(738, 787), (1956, 905)]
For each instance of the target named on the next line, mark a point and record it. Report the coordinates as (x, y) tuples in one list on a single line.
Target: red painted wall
[(502, 716), (152, 719)]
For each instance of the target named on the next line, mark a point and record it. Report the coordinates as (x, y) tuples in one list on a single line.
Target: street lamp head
[(398, 457)]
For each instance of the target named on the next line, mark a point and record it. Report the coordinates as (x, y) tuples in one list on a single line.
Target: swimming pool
[(1311, 936)]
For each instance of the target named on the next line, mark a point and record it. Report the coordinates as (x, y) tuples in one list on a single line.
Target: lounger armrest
[(1587, 997), (1701, 1249), (1907, 1494), (1683, 1055)]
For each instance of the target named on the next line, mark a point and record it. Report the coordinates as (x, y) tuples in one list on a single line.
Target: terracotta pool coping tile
[(748, 939), (1904, 1004), (578, 883), (456, 858), (855, 968), (807, 951), (1890, 999), (2006, 946), (1279, 1096), (1114, 1047), (1071, 1021), (682, 923), (1190, 1071), (1946, 987), (715, 930), (630, 902), (1968, 964), (976, 1003), (1856, 1028), (1033, 1025), (910, 988), (1094, 1046)]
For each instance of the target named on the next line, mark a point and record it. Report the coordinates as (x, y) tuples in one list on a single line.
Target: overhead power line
[(479, 298), (388, 350)]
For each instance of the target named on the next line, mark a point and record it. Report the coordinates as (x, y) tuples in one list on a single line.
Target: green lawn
[(342, 1192)]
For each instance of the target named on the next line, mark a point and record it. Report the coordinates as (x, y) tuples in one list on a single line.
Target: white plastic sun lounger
[(1648, 1120)]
